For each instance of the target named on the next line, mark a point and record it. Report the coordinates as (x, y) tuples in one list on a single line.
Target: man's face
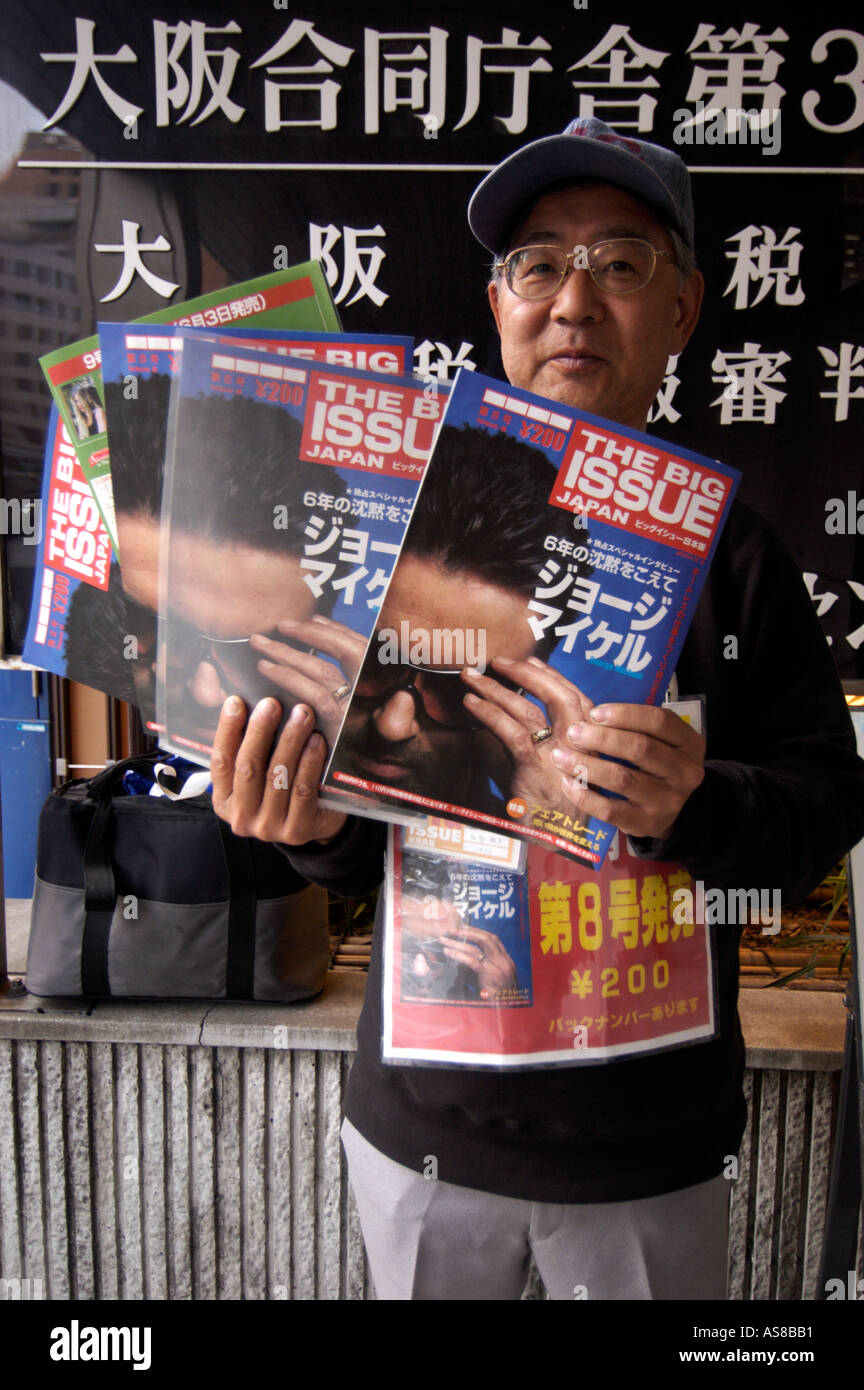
[(220, 592), (605, 353), (393, 740)]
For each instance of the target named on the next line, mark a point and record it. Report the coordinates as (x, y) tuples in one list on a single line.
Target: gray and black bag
[(148, 898)]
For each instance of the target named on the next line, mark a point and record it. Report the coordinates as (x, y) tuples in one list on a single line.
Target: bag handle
[(100, 892), (105, 783)]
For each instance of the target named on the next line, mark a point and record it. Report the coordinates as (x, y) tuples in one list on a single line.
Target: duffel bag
[(149, 898)]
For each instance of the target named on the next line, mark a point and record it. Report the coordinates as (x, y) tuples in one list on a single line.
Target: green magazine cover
[(297, 297)]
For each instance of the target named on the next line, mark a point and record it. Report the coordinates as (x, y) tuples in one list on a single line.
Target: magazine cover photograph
[(288, 488), (463, 931), (77, 613), (553, 561), (86, 639), (296, 297), (138, 363), (485, 967)]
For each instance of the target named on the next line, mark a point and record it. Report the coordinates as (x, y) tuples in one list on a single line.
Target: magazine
[(297, 297), (553, 562), (107, 641), (137, 367), (77, 618), (485, 967), (288, 488)]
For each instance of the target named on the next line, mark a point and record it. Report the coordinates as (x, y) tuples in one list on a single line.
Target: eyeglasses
[(234, 660), (618, 267), (437, 693)]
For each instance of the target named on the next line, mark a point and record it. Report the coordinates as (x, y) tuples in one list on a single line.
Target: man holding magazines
[(612, 1175)]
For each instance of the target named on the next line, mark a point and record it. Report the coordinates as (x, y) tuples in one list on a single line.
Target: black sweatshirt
[(781, 802)]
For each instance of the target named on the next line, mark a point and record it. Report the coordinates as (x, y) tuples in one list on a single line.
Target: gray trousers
[(427, 1239)]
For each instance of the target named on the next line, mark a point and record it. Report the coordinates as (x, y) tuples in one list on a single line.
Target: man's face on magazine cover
[(221, 594), (400, 735), (601, 352)]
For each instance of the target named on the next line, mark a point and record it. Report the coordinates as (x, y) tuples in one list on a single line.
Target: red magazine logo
[(648, 492), (75, 539), (374, 427)]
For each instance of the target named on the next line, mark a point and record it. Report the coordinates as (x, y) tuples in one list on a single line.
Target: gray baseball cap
[(587, 148)]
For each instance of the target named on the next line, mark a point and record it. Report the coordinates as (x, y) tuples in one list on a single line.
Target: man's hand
[(513, 719), (275, 800), (307, 677), (482, 952), (668, 758), (667, 754)]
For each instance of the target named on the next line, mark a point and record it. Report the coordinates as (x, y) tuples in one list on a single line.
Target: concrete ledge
[(785, 1030), (324, 1024), (793, 1030)]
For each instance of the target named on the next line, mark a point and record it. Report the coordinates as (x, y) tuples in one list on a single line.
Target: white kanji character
[(843, 365), (662, 408), (321, 243), (644, 605), (547, 575), (354, 546), (428, 48), (756, 264), (857, 637), (584, 594), (613, 601), (751, 378), (541, 616), (86, 61), (516, 122), (570, 631), (731, 78), (313, 529), (631, 654), (625, 56), (375, 586), (327, 91), (131, 249), (607, 639), (445, 363), (824, 602), (321, 572), (350, 582), (167, 61)]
